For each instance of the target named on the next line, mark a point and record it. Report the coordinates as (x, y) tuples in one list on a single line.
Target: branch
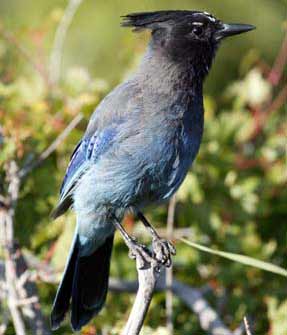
[(247, 326), (57, 50), (7, 240), (147, 278), (28, 297), (192, 297), (25, 295), (277, 103), (208, 317), (20, 293), (149, 281), (45, 154), (277, 70), (3, 293)]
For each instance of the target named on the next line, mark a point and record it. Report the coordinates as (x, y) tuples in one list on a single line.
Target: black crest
[(153, 20)]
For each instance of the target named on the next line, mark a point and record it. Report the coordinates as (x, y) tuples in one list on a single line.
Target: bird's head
[(185, 34)]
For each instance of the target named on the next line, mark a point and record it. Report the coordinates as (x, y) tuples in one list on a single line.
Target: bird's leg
[(136, 250), (162, 249)]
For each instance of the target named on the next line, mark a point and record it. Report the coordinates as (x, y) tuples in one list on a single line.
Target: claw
[(140, 252), (171, 248), (162, 251)]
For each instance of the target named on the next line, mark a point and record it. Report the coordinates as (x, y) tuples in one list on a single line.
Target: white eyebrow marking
[(197, 23), (209, 16)]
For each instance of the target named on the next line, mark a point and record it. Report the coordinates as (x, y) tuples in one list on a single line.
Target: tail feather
[(63, 296), (84, 284), (90, 285)]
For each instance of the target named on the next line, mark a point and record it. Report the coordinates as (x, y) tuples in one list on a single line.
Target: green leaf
[(240, 259)]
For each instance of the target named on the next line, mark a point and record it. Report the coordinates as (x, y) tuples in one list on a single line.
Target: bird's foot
[(141, 253), (162, 251)]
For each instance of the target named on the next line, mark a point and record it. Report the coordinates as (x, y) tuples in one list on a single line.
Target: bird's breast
[(172, 155), (186, 148)]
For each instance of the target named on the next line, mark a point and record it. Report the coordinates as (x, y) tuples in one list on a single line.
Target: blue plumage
[(87, 152), (76, 161), (137, 149)]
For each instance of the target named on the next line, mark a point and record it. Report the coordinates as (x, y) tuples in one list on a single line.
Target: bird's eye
[(198, 30)]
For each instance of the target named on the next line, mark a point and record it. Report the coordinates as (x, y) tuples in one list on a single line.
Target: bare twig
[(277, 70), (57, 50), (28, 298), (4, 314), (46, 153), (169, 271), (26, 295), (7, 241), (27, 301), (247, 326), (147, 278), (208, 317), (21, 294), (277, 103)]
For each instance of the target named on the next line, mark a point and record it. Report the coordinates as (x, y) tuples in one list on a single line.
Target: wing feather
[(86, 153)]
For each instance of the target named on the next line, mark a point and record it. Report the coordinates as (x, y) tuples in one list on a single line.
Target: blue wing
[(86, 153), (76, 160)]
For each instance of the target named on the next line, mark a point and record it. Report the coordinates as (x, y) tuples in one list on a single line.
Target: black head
[(185, 34)]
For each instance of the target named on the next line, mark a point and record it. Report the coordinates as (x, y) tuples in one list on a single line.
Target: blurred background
[(58, 59)]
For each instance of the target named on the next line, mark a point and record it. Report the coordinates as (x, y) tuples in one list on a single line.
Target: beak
[(230, 29)]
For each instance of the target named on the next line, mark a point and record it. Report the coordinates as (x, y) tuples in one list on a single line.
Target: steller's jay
[(137, 149)]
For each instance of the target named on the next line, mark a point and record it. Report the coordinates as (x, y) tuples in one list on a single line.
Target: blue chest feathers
[(187, 144), (179, 151)]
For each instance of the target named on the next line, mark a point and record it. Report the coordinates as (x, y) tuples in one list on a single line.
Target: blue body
[(137, 149), (136, 159)]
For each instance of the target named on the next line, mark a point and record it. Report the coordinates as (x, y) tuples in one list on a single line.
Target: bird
[(139, 144)]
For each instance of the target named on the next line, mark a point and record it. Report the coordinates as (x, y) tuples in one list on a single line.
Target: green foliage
[(234, 199)]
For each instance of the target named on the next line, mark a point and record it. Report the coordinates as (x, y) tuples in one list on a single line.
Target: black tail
[(63, 296), (85, 281)]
